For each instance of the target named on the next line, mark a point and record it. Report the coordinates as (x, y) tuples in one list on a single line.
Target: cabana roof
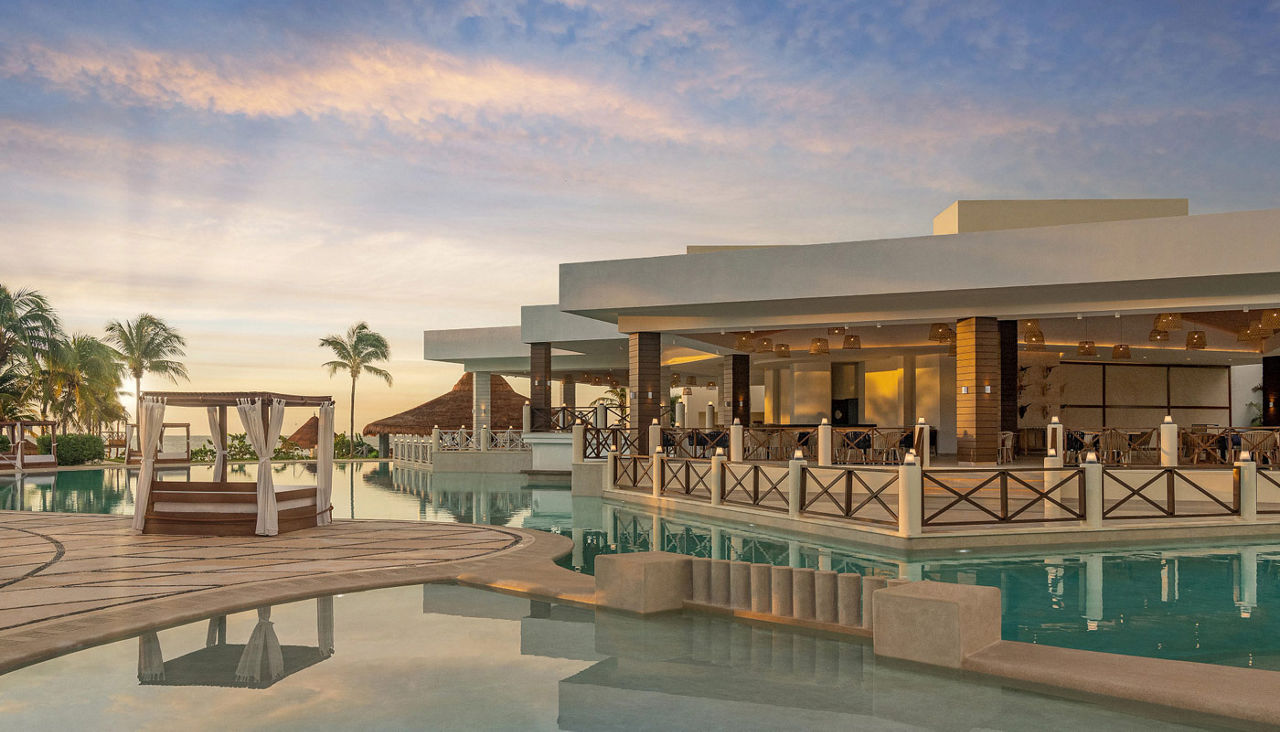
[(308, 435), (452, 410), (230, 398)]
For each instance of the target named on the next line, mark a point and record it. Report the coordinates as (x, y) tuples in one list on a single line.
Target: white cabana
[(324, 466), (219, 442), (263, 435), (152, 421)]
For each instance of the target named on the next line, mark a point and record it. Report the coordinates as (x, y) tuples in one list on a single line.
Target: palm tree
[(615, 396), (87, 375), (28, 324), (356, 352), (148, 345)]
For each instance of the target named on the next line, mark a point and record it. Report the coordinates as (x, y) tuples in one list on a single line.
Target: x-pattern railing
[(633, 473), (1009, 504), (1271, 477), (693, 442), (837, 489), (597, 442), (687, 477), (1164, 505), (754, 485), (870, 445), (633, 534), (507, 440), (779, 443)]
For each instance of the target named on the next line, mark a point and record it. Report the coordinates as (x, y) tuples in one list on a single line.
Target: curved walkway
[(68, 581)]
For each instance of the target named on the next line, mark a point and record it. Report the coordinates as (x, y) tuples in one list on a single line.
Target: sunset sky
[(264, 173)]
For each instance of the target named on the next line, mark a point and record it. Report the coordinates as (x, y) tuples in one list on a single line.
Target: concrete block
[(849, 599), (780, 591), (740, 585), (701, 571), (802, 593), (761, 594), (824, 596), (938, 623), (720, 582), (869, 586), (644, 582)]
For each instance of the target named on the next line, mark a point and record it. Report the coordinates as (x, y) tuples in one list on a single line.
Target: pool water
[(447, 657), (1213, 604)]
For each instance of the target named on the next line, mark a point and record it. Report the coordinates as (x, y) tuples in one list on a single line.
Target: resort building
[(1105, 315)]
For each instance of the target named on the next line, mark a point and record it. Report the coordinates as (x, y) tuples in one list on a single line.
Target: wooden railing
[(633, 472), (751, 484), (871, 445), (779, 443), (1269, 490), (507, 440), (1170, 492), (964, 497), (597, 442), (693, 442), (857, 494), (687, 478)]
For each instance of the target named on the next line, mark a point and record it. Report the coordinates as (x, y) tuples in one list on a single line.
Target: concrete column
[(793, 553), (577, 534), (482, 438), (795, 478), (824, 559), (709, 417), (1248, 581), (825, 435), (761, 588), (780, 591), (720, 582), (655, 436), (602, 416), (610, 468), (481, 403), (646, 394), (1092, 492), (735, 442), (717, 542), (1093, 590), (849, 599), (910, 498), (680, 409), (579, 443), (716, 480), (824, 597), (736, 388), (1246, 476), (1053, 474), (802, 598), (701, 569), (977, 391), (655, 466), (569, 392), (526, 418), (869, 587), (435, 439), (1055, 437), (740, 585), (540, 386), (1168, 443), (907, 390)]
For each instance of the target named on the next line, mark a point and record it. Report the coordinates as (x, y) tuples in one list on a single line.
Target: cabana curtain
[(220, 449), (152, 420), (263, 646), (150, 658), (263, 438), (324, 466), (324, 625)]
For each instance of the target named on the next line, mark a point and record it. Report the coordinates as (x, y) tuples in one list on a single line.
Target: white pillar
[(735, 442), (610, 468), (482, 437), (526, 418), (824, 442), (1053, 474), (795, 475), (655, 437), (1247, 475), (435, 439), (793, 553), (481, 404), (717, 542), (717, 475), (1055, 437), (1248, 581), (655, 465), (680, 413), (577, 534), (1168, 443), (1092, 491), (579, 442), (709, 419), (910, 497), (1093, 590), (602, 416)]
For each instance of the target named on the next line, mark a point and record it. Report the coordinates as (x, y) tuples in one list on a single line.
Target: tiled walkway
[(68, 580)]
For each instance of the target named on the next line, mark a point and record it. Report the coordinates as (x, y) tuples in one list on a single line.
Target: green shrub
[(204, 454), (74, 449), (4, 443)]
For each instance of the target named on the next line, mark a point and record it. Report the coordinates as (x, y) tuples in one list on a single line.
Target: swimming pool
[(447, 657), (1213, 604)]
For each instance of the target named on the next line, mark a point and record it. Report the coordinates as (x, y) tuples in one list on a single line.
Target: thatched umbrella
[(452, 410), (308, 434)]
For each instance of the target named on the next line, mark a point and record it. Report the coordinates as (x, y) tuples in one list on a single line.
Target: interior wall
[(811, 394), (1243, 379), (1138, 396), (880, 384), (936, 397)]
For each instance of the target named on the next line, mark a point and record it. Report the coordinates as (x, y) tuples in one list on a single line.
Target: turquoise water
[(1214, 604), (446, 657)]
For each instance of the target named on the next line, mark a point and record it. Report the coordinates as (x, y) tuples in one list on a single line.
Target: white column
[(1052, 474), (481, 404), (735, 442), (482, 438), (680, 413), (579, 443), (1168, 443), (1247, 474), (1055, 437), (717, 542), (655, 437), (435, 439), (795, 476), (602, 416), (655, 465), (610, 468), (1092, 491), (910, 498), (824, 442), (526, 418), (1248, 581), (717, 475), (709, 418), (1093, 590)]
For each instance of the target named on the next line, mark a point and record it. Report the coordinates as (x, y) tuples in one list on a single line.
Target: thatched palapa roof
[(308, 435), (452, 410)]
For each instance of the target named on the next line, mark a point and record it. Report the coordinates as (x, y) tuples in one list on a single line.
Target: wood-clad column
[(736, 388), (1009, 375), (977, 390), (481, 403), (540, 386), (1271, 391), (645, 393), (569, 392)]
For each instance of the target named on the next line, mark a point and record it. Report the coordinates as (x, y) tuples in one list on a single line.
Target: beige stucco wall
[(970, 216)]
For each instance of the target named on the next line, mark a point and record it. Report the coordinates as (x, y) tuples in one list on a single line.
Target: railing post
[(482, 436), (680, 414), (709, 418), (526, 418), (795, 484), (716, 477), (910, 497), (1168, 443), (579, 443), (602, 416), (1246, 488), (1052, 475), (610, 469), (655, 437), (1055, 438), (922, 441), (824, 443), (435, 439), (735, 441), (1092, 491), (656, 466)]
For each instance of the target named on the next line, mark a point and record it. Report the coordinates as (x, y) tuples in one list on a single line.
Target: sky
[(261, 174)]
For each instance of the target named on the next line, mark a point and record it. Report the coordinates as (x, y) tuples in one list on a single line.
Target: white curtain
[(216, 635), (263, 438), (150, 659), (324, 625), (263, 645), (324, 466), (152, 421), (128, 436), (215, 432)]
